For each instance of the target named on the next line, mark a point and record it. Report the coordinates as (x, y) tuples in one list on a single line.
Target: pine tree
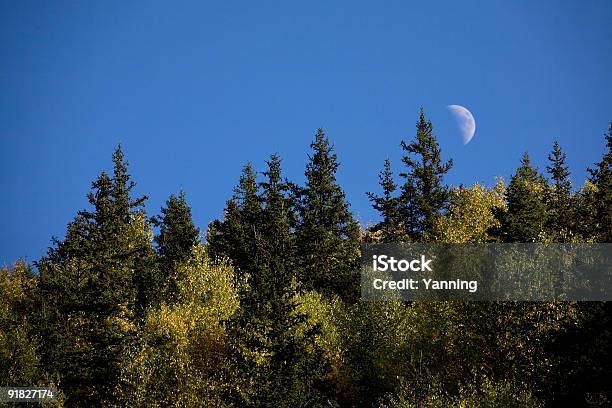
[(293, 370), (526, 215), (90, 288), (391, 227), (586, 361), (177, 237), (327, 234), (559, 198), (601, 179), (177, 232), (423, 195), (224, 235), (559, 171), (277, 226), (237, 236)]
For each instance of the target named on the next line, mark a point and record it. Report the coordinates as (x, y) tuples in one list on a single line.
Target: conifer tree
[(423, 195), (560, 218), (293, 370), (526, 215), (257, 232), (90, 288), (278, 224), (178, 234), (224, 236), (177, 237), (327, 234), (237, 236), (391, 228), (601, 179), (586, 363)]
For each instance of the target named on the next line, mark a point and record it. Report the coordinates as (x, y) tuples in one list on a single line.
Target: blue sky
[(193, 90)]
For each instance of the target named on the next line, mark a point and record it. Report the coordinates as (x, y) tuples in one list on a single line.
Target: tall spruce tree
[(277, 226), (423, 195), (327, 233), (89, 289), (177, 232), (601, 178), (237, 236), (585, 366), (176, 239), (391, 228), (526, 216), (257, 232), (559, 199), (283, 369)]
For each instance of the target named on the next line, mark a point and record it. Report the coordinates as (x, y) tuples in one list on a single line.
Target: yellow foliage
[(183, 344), (471, 214)]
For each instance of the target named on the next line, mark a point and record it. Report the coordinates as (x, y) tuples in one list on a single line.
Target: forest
[(262, 307)]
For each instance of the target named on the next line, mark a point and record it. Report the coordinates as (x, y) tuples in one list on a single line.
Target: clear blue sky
[(193, 90)]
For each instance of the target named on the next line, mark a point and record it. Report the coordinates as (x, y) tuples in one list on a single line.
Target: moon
[(465, 120)]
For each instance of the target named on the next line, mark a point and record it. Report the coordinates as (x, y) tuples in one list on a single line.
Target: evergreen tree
[(561, 218), (277, 226), (284, 368), (178, 234), (526, 216), (177, 237), (90, 288), (601, 179), (237, 236), (327, 234), (391, 227), (423, 195)]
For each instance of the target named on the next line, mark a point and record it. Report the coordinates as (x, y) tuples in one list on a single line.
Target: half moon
[(465, 120)]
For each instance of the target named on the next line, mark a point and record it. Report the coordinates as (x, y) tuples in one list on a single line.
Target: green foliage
[(236, 236), (275, 365), (20, 340), (177, 237), (265, 313), (376, 349), (423, 195), (177, 232), (527, 213), (391, 228), (19, 360), (277, 362), (585, 208), (91, 289), (601, 180), (363, 343), (561, 215), (327, 234), (277, 246), (586, 363), (181, 349)]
